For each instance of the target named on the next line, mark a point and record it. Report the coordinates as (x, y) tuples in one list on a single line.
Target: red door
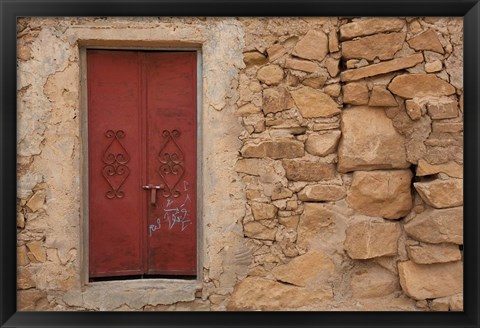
[(142, 162)]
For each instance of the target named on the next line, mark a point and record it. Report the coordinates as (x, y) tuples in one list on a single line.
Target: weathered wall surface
[(332, 164)]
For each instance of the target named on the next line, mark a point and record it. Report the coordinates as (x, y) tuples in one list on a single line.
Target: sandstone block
[(382, 46), (283, 148), (251, 166), (314, 45), (451, 168), (333, 41), (280, 192), (322, 193), (314, 222), (22, 258), (248, 109), (32, 300), (427, 40), (25, 278), (314, 103), (372, 239), (421, 281), (369, 141), (456, 302), (270, 74), (437, 226), (440, 304), (310, 270), (381, 68), (315, 82), (370, 26), (373, 282), (252, 58), (423, 253), (37, 250), (434, 66), (414, 109), (355, 93), (332, 66), (301, 65), (333, 90), (20, 220), (381, 97), (35, 203), (276, 51), (381, 193), (447, 127), (289, 221), (262, 211), (442, 108), (255, 293), (322, 144), (297, 170), (441, 193), (276, 100), (420, 85), (256, 230)]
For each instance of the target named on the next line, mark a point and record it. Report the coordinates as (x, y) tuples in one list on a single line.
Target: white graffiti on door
[(174, 216)]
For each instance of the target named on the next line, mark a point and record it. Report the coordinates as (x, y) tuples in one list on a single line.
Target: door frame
[(83, 113)]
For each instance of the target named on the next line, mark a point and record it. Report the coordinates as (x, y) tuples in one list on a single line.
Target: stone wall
[(339, 160)]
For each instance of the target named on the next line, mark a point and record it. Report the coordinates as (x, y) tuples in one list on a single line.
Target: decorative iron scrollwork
[(115, 170), (171, 167)]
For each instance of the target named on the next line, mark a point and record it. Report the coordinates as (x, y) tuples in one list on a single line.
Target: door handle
[(153, 193)]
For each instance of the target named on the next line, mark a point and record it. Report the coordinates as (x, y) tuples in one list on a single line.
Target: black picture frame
[(10, 10)]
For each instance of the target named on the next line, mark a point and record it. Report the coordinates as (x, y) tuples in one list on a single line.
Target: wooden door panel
[(171, 162), (142, 131), (115, 168)]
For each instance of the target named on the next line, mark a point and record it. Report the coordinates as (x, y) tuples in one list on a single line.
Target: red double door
[(142, 163)]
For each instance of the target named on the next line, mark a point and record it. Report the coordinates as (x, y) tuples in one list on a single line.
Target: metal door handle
[(153, 193)]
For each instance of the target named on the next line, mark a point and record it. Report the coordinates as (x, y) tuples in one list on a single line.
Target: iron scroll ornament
[(115, 164), (171, 159)]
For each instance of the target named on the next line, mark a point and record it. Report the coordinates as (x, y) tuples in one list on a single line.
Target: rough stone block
[(381, 193), (451, 168), (381, 46), (437, 226), (381, 68), (314, 45), (297, 170), (262, 211), (311, 270), (322, 144), (255, 293), (370, 141), (285, 148), (355, 93), (381, 97), (257, 230), (427, 40), (252, 58), (367, 240), (270, 74), (301, 65), (420, 85), (423, 253), (441, 193), (276, 100), (373, 282), (442, 108), (322, 193), (314, 103), (423, 281), (370, 26)]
